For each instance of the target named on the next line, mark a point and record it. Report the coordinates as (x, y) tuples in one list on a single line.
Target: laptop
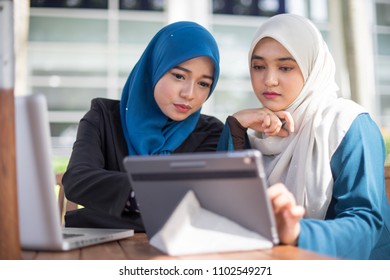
[(230, 184), (40, 225)]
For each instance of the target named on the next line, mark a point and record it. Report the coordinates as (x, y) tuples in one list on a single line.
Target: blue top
[(146, 129), (357, 224)]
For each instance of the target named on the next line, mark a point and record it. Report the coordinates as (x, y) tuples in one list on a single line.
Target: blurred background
[(74, 50)]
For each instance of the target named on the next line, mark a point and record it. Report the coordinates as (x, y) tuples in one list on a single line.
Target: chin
[(272, 107), (178, 118)]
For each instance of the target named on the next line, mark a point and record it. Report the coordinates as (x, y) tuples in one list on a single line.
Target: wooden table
[(138, 248)]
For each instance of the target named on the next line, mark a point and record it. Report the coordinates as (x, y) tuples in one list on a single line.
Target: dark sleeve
[(233, 136), (95, 177), (238, 133)]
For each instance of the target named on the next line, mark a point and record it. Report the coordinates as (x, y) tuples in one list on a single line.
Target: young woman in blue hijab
[(159, 113)]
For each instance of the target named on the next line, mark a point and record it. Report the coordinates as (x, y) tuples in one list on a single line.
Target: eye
[(258, 67), (286, 68), (204, 84), (178, 76)]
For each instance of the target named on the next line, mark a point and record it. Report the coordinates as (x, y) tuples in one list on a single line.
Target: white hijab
[(302, 160)]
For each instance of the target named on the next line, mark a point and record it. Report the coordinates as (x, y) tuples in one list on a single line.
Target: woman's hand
[(287, 213), (264, 120)]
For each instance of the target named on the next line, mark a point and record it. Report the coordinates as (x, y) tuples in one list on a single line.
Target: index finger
[(287, 119), (276, 190)]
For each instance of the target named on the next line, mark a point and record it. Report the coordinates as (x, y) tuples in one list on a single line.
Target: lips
[(183, 108), (270, 94)]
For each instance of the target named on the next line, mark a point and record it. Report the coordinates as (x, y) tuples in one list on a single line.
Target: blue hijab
[(146, 129)]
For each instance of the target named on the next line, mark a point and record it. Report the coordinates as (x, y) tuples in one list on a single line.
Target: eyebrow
[(288, 58), (189, 71)]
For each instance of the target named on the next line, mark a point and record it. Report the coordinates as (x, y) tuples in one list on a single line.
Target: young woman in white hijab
[(324, 155)]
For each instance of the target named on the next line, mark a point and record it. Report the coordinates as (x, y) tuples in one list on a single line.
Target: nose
[(271, 79), (187, 90)]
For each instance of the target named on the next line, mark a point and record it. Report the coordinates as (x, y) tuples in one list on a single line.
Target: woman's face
[(276, 78), (184, 88)]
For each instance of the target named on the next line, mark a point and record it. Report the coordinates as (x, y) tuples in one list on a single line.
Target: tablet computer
[(231, 184)]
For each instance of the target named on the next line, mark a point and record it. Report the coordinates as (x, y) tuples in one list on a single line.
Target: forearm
[(333, 237), (97, 189)]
